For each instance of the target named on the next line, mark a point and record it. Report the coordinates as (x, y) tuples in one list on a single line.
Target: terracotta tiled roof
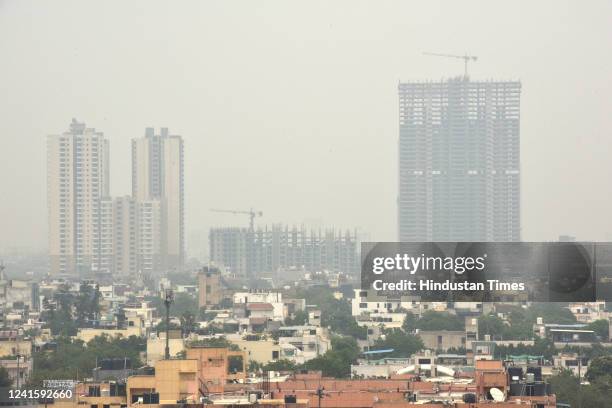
[(260, 306)]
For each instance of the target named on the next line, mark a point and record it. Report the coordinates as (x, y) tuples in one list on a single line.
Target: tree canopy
[(431, 320), (73, 359), (403, 344), (337, 361)]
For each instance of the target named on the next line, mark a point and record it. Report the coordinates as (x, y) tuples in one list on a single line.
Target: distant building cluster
[(269, 250), (92, 233)]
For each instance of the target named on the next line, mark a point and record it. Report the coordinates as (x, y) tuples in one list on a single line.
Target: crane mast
[(466, 58), (251, 213)]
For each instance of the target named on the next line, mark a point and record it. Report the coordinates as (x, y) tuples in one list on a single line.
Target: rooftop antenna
[(466, 58)]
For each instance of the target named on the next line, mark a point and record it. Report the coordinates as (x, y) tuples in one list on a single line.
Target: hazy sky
[(291, 107)]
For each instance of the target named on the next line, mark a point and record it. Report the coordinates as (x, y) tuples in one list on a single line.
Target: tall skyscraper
[(459, 161), (77, 184), (157, 175)]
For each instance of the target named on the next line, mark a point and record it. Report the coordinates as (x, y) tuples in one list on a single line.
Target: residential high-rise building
[(229, 248), (157, 175), (278, 247), (77, 184), (150, 253), (125, 234), (459, 161)]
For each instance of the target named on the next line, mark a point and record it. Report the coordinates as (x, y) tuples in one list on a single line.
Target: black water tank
[(537, 372), (290, 399), (469, 398), (514, 372)]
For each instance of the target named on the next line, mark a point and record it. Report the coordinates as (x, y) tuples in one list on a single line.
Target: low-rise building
[(588, 312), (134, 327), (260, 350), (574, 362), (13, 344), (442, 340), (19, 294), (218, 365), (174, 382), (156, 346), (303, 343), (19, 369), (273, 298)]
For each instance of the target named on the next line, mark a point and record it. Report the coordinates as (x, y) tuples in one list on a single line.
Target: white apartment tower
[(157, 179), (77, 185)]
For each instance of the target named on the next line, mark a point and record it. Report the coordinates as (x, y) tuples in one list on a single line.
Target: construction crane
[(251, 213), (466, 58)]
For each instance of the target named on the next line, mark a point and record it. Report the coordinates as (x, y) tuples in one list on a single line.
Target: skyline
[(317, 121)]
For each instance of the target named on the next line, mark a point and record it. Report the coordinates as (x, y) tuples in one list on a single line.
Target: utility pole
[(169, 298), (320, 395), (18, 371)]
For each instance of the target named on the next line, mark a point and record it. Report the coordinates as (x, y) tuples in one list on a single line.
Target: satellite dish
[(497, 394)]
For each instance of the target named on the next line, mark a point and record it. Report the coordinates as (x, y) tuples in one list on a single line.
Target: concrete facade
[(77, 182), (459, 161)]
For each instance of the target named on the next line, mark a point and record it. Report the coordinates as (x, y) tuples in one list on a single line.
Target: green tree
[(335, 313), (161, 326), (188, 322), (299, 318), (541, 347), (491, 325), (550, 313), (216, 342), (432, 320), (565, 386), (599, 368), (568, 390), (183, 302), (5, 380), (58, 312), (337, 361), (280, 365), (521, 325), (73, 359), (403, 344), (410, 322), (601, 328), (87, 304)]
